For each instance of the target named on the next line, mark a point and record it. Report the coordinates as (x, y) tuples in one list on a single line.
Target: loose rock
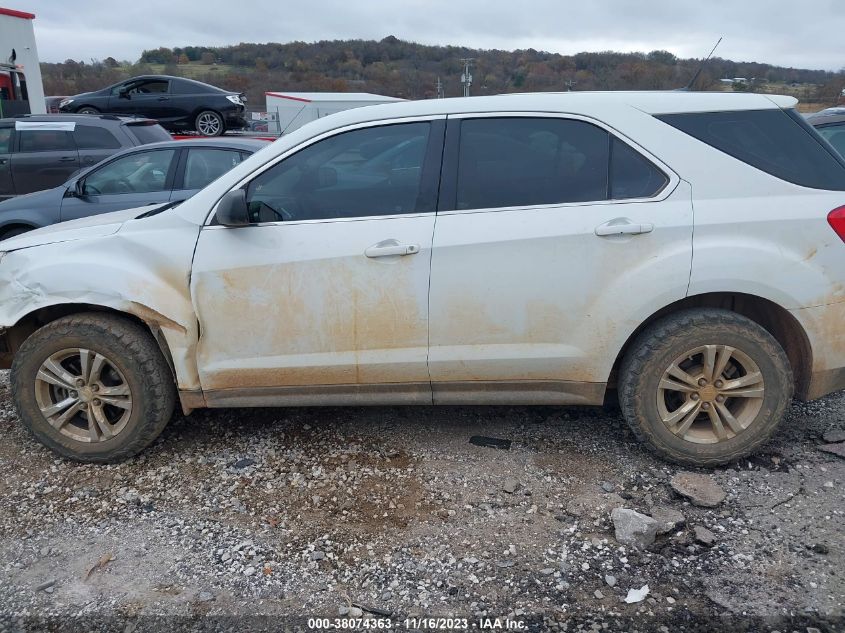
[(668, 519), (633, 528), (46, 585), (836, 449), (834, 436), (701, 490), (511, 485), (704, 536)]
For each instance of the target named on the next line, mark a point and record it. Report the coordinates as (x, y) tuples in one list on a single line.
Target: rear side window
[(632, 175), (91, 137), (508, 162), (835, 135), (46, 141), (770, 140), (148, 133), (206, 165)]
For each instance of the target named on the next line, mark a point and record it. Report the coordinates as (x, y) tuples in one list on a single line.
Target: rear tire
[(705, 387), (209, 123), (88, 110), (100, 379)]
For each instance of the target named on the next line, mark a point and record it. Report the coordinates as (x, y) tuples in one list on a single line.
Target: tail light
[(836, 219)]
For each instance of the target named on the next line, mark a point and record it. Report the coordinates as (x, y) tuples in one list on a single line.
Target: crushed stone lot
[(276, 515)]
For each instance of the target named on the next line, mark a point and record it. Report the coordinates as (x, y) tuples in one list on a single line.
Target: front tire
[(705, 387), (209, 123), (88, 110), (93, 387)]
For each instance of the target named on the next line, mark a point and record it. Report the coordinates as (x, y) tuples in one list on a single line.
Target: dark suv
[(41, 152), (177, 103)]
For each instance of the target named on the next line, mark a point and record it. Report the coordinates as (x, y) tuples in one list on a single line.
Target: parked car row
[(519, 249), (144, 175), (40, 152)]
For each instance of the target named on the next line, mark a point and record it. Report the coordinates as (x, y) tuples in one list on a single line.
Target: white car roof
[(572, 102)]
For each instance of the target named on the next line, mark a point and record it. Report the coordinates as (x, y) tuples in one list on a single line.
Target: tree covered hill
[(405, 69)]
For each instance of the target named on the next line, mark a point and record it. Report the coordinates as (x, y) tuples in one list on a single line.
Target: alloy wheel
[(83, 395), (208, 124), (710, 394)]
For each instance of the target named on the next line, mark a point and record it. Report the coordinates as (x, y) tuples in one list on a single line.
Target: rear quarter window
[(91, 137), (777, 142), (147, 133)]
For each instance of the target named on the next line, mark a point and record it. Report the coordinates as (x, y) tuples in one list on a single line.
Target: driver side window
[(141, 172), (367, 172)]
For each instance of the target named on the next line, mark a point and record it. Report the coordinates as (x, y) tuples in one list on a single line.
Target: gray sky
[(783, 32)]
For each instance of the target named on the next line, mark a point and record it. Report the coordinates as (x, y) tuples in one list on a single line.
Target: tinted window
[(372, 171), (141, 172), (90, 137), (524, 161), (835, 135), (5, 140), (770, 140), (205, 165), (45, 141), (191, 88), (632, 175), (152, 86), (148, 133)]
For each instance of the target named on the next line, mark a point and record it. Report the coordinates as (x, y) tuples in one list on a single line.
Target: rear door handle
[(623, 228), (389, 248), (163, 98), (3, 161)]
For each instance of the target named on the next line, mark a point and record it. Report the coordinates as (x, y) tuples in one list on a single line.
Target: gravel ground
[(272, 516)]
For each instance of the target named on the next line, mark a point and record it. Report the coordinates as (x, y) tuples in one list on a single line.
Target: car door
[(200, 166), (94, 143), (7, 186), (149, 98), (45, 157), (136, 179), (536, 270), (324, 297)]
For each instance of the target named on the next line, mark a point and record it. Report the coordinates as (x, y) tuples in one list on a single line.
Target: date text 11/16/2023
[(419, 624)]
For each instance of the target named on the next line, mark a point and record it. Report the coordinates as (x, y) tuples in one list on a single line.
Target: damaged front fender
[(141, 269)]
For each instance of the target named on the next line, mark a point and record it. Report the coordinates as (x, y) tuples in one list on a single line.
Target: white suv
[(682, 250)]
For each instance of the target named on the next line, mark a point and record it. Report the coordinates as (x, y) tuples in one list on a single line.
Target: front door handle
[(389, 248), (617, 227), (67, 159), (3, 161), (164, 98)]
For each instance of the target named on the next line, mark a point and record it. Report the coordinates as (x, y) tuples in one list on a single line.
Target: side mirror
[(232, 210), (79, 188), (123, 93)]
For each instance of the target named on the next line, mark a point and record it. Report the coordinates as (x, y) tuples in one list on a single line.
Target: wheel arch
[(15, 224), (775, 319), (15, 335)]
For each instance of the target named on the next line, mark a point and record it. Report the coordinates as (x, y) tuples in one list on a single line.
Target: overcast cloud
[(783, 32)]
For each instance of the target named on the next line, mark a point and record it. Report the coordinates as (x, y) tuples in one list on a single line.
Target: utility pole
[(466, 76), (570, 84), (439, 86)]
